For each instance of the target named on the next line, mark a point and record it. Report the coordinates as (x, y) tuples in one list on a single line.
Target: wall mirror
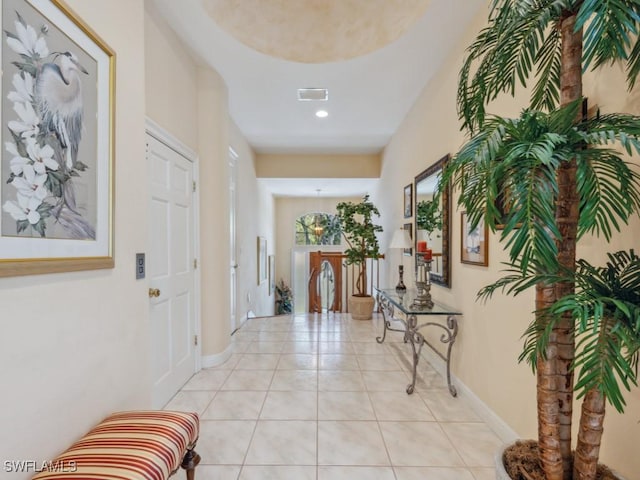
[(433, 221)]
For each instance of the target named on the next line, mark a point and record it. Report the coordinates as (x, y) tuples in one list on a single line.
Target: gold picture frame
[(408, 201), (408, 252), (474, 244), (272, 274), (56, 174), (262, 260)]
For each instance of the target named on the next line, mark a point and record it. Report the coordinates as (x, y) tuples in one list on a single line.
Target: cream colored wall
[(487, 347), (317, 166), (75, 347), (191, 102), (171, 87), (255, 217), (213, 148)]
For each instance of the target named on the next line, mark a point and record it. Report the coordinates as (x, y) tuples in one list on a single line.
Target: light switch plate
[(140, 266)]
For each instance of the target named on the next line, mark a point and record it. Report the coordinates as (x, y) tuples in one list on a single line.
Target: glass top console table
[(440, 316)]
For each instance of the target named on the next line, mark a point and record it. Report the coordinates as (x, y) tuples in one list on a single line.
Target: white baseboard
[(499, 426), (209, 361)]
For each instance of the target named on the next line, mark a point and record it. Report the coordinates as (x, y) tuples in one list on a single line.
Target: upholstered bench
[(138, 445)]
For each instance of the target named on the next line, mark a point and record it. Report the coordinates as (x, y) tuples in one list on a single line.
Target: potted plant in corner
[(359, 231), (284, 298), (559, 173)]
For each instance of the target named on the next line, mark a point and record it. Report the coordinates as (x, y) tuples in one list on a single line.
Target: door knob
[(154, 292)]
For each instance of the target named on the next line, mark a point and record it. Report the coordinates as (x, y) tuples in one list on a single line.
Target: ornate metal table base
[(413, 335)]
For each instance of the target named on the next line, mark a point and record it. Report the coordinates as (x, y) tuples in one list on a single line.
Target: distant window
[(318, 229)]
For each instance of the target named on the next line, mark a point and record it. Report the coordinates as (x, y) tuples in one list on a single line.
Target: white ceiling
[(369, 95), (329, 187)]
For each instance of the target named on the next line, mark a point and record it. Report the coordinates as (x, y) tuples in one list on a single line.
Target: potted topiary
[(560, 174), (359, 231)]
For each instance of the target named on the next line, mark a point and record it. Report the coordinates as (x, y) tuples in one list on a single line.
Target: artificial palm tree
[(606, 310), (559, 184)]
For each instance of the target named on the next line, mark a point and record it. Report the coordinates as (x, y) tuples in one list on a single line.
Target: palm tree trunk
[(547, 395), (591, 424), (589, 436), (567, 215), (562, 344)]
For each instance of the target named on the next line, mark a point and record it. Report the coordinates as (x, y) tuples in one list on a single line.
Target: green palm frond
[(606, 308), (518, 159), (519, 279), (609, 191), (506, 52), (546, 94), (537, 337), (633, 64), (608, 186), (522, 41), (610, 29)]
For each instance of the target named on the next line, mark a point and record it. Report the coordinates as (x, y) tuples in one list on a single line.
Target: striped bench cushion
[(144, 445)]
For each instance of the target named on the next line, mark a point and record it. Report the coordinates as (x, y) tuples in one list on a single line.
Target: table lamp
[(400, 240)]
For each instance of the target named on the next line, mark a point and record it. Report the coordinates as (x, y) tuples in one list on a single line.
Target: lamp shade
[(400, 239)]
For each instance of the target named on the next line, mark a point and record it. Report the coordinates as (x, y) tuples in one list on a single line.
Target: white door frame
[(233, 251), (162, 135)]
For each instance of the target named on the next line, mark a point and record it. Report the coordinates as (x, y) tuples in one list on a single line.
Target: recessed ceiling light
[(322, 114), (313, 94)]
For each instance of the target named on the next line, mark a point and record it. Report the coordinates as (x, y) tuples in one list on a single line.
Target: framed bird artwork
[(56, 164)]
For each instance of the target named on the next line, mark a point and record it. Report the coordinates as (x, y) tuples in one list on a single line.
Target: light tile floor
[(316, 397)]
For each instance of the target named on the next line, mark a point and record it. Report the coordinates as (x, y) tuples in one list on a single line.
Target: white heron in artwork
[(58, 96), (58, 100)]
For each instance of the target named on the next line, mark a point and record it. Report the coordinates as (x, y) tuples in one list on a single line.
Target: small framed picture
[(272, 274), (407, 252), (262, 260), (408, 201), (474, 243)]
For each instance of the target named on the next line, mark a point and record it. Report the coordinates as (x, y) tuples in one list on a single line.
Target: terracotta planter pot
[(501, 473), (361, 308)]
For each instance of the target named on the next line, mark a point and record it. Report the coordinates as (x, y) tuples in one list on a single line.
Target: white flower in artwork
[(18, 162), (23, 85), (28, 125), (27, 42), (26, 208), (31, 184), (42, 156), (39, 159)]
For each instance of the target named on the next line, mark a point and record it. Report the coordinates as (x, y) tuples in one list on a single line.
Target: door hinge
[(194, 186), (195, 263), (195, 340)]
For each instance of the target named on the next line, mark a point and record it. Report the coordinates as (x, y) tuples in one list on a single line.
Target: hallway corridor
[(315, 397)]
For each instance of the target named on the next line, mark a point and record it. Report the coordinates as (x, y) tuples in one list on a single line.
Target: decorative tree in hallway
[(557, 171)]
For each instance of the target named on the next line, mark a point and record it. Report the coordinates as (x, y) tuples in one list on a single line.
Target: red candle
[(422, 246), (428, 254)]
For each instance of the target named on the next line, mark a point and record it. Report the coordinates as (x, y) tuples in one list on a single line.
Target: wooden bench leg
[(190, 462)]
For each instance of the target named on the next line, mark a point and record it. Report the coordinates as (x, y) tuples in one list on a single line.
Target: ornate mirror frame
[(442, 276)]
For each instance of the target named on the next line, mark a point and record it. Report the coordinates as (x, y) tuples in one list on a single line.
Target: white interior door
[(170, 270)]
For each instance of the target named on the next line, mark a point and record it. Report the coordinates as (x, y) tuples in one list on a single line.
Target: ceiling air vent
[(313, 94)]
